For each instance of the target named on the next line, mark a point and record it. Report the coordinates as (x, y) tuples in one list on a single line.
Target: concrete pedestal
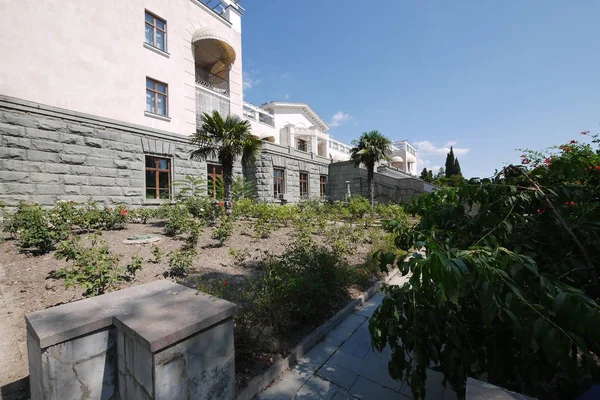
[(160, 340)]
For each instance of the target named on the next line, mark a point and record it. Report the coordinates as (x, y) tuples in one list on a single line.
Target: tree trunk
[(370, 186), (227, 185)]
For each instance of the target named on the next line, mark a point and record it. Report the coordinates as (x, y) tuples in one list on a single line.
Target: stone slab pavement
[(343, 366)]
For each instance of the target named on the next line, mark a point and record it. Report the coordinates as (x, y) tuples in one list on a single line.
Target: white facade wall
[(89, 56), (408, 154)]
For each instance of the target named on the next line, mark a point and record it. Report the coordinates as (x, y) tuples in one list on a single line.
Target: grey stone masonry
[(293, 162), (49, 154), (160, 340), (388, 189)]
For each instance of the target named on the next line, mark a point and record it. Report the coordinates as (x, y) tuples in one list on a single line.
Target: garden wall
[(49, 154), (387, 188)]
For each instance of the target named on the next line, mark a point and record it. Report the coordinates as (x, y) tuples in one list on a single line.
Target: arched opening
[(213, 57)]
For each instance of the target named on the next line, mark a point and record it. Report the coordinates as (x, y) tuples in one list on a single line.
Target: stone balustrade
[(160, 340)]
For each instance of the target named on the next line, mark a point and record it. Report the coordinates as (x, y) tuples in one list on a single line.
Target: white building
[(295, 125), (404, 157), (100, 98)]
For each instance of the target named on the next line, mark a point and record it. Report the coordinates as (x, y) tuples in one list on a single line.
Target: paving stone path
[(343, 366)]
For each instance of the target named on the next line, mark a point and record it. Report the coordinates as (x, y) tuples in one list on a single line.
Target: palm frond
[(371, 148)]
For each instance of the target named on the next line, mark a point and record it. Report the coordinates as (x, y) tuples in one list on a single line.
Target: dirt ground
[(26, 285)]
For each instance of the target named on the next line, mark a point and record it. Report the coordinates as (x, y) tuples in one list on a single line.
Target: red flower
[(573, 141), (548, 161), (585, 132), (221, 204), (224, 283), (541, 210), (597, 167), (525, 161), (570, 203), (123, 212)]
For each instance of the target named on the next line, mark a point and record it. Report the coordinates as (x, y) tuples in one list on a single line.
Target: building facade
[(404, 157), (100, 99)]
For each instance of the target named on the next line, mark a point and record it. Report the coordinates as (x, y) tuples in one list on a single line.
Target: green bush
[(4, 220), (178, 220), (358, 206), (203, 208), (181, 261), (113, 218), (243, 208), (34, 229), (224, 230), (265, 223), (241, 188), (196, 228), (505, 282), (344, 239), (305, 285), (94, 268), (142, 214), (89, 216), (158, 253), (239, 256)]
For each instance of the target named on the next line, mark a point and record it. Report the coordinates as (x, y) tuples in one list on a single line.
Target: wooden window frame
[(304, 184), (278, 182), (323, 185), (158, 93), (155, 27), (158, 170), (212, 177)]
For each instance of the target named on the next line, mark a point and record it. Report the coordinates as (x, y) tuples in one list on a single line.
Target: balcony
[(256, 113), (211, 81)]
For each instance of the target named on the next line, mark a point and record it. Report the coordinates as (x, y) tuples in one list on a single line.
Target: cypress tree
[(423, 174), (450, 164), (457, 170)]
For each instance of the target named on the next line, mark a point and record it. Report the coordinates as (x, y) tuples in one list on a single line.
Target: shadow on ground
[(17, 390)]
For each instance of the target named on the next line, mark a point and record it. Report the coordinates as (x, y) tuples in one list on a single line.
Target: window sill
[(156, 50), (157, 201), (157, 116)]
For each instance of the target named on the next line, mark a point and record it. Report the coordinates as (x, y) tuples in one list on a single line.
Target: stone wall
[(292, 162), (49, 154), (387, 188)]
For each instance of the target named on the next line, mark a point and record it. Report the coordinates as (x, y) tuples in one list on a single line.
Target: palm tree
[(226, 139), (371, 148)]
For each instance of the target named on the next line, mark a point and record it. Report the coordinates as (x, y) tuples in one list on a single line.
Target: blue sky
[(485, 76)]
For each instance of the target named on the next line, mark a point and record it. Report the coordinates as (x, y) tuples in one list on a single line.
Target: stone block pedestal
[(160, 340)]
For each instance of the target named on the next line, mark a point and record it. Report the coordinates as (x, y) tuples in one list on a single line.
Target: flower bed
[(288, 274)]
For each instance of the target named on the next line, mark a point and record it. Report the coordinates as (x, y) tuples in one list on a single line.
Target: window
[(278, 182), (156, 32), (323, 185), (301, 145), (156, 97), (303, 185), (213, 172), (158, 178)]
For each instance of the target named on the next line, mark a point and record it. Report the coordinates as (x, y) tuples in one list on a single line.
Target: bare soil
[(27, 285)]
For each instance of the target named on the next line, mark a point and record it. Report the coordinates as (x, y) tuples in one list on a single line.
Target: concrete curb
[(261, 382)]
